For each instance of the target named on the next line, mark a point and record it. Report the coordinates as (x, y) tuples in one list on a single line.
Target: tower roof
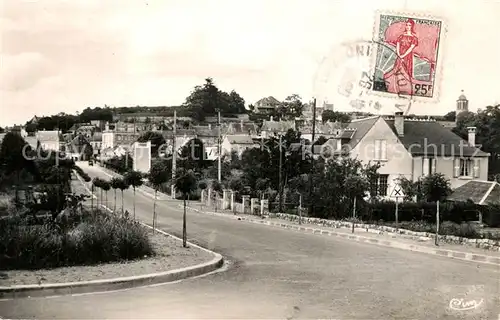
[(462, 96)]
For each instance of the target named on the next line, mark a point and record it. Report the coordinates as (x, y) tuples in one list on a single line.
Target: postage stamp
[(408, 57), (344, 80)]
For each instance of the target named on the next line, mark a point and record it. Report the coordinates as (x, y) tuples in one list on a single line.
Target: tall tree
[(291, 108), (115, 184), (185, 183), (158, 175), (207, 99), (134, 179)]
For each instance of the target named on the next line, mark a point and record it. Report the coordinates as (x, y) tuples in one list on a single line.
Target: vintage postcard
[(407, 61)]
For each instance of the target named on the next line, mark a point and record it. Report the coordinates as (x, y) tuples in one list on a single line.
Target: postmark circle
[(346, 77)]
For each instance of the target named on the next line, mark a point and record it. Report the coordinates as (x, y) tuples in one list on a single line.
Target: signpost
[(437, 224), (397, 193)]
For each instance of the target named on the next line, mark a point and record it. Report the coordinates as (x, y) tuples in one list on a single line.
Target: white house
[(49, 140), (411, 148)]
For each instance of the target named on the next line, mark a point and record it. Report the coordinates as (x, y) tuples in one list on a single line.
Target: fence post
[(353, 214), (397, 213), (437, 223)]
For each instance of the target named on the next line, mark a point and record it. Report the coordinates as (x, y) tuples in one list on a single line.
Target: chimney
[(399, 123), (271, 119), (472, 135)]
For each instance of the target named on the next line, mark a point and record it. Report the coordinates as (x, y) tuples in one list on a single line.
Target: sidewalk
[(425, 245)]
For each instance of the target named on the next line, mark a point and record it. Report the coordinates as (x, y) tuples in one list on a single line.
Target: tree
[(291, 108), (96, 184), (2, 130), (185, 183), (15, 161), (207, 99), (134, 179), (193, 156), (487, 122), (335, 116), (436, 187), (450, 116), (158, 175), (115, 184), (123, 185), (106, 186)]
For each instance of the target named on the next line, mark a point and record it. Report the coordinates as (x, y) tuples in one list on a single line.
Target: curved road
[(276, 274)]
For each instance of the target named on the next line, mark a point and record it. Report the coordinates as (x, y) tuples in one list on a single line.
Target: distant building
[(273, 128), (266, 105), (237, 143), (49, 140)]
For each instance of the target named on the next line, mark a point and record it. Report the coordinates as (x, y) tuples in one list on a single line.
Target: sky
[(63, 56)]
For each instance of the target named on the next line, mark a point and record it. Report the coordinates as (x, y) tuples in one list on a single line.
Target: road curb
[(467, 256), (59, 289)]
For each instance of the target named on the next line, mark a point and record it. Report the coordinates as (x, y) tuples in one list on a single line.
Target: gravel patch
[(170, 255)]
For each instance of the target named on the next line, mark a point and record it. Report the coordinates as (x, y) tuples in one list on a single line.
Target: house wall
[(399, 161), (108, 140), (446, 166)]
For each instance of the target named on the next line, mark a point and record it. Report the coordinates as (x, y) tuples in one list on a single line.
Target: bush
[(81, 240), (82, 174), (425, 211)]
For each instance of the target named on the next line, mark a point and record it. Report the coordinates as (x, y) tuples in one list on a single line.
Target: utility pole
[(219, 150), (311, 207), (280, 177), (174, 156)]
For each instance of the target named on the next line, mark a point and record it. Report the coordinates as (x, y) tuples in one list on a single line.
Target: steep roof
[(422, 137), (267, 102), (360, 128), (480, 192)]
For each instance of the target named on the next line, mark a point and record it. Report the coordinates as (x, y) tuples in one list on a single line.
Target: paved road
[(276, 273)]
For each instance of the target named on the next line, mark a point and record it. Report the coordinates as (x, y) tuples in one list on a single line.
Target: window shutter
[(434, 162), (377, 150), (383, 149), (425, 167), (476, 168), (456, 170)]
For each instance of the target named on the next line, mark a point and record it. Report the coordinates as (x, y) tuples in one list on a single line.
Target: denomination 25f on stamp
[(408, 56)]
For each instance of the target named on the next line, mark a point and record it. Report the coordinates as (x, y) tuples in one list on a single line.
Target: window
[(428, 166), (379, 185), (465, 167), (380, 150)]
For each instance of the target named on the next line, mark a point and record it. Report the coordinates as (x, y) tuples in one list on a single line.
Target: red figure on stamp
[(407, 56)]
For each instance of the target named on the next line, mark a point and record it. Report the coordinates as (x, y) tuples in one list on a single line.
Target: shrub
[(81, 240), (82, 173)]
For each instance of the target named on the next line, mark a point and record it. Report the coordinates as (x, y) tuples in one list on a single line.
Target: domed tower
[(462, 104)]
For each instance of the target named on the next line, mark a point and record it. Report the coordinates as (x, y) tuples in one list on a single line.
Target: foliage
[(185, 182), (158, 174), (120, 164), (342, 179), (411, 189), (202, 185), (436, 187), (207, 99), (335, 116), (487, 122), (82, 173), (193, 156), (157, 141), (84, 239), (134, 179), (291, 108), (105, 185)]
